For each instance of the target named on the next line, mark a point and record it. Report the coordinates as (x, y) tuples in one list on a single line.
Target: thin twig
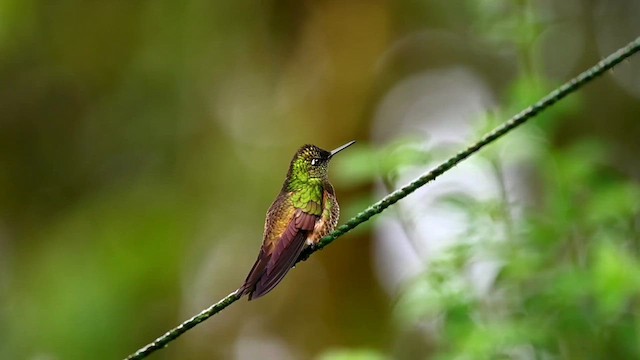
[(530, 112)]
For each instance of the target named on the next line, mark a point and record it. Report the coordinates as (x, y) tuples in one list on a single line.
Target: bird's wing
[(276, 258)]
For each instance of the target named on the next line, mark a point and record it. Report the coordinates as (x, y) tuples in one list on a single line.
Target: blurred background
[(141, 143)]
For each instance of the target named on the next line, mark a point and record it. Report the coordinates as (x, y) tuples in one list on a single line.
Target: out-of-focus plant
[(568, 284), (569, 278)]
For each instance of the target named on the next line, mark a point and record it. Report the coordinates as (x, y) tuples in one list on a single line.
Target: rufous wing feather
[(276, 259)]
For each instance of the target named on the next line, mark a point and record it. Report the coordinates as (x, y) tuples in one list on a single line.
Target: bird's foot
[(308, 250)]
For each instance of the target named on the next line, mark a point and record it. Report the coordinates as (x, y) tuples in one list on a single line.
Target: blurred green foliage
[(568, 284), (355, 354), (569, 279)]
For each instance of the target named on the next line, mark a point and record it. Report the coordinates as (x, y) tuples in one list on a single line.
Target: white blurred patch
[(444, 107), (262, 347), (437, 104)]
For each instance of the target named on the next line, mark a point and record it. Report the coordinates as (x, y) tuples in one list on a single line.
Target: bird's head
[(310, 163)]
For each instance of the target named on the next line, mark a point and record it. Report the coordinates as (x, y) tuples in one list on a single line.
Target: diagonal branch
[(525, 115)]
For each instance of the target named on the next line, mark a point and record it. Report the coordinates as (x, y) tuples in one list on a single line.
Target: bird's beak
[(335, 151)]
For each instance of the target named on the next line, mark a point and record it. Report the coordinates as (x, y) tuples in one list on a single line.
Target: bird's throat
[(304, 192)]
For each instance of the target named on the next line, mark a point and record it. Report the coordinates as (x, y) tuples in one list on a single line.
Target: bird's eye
[(315, 162)]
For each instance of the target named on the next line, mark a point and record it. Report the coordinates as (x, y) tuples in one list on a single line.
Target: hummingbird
[(303, 213)]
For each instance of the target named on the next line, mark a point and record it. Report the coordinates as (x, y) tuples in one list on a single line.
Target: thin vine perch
[(519, 119)]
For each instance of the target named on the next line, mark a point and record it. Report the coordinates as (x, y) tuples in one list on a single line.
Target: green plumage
[(306, 197)]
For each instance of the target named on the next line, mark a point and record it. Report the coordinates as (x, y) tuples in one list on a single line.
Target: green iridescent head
[(310, 164)]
